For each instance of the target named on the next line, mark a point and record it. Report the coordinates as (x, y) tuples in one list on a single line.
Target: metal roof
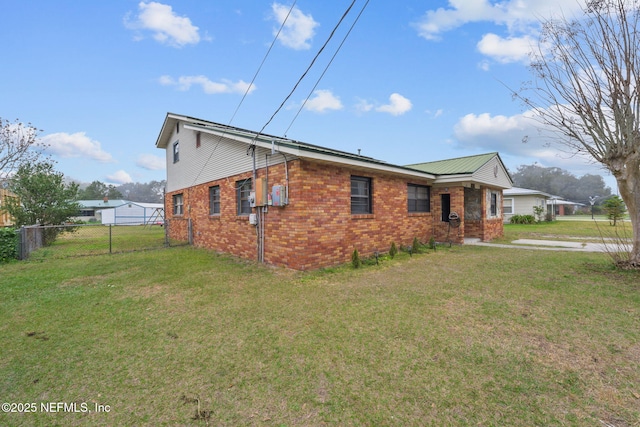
[(298, 148), (449, 170), (457, 166), (517, 191), (101, 203)]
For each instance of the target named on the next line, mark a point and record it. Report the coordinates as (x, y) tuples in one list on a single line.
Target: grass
[(98, 239), (572, 230), (461, 336)]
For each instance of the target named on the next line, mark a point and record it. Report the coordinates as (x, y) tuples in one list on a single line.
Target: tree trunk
[(631, 195)]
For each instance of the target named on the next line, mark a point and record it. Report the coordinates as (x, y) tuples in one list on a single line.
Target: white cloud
[(166, 26), (298, 28), (520, 136), (209, 87), (517, 15), (151, 162), (461, 12), (435, 114), (364, 106), (397, 106), (322, 101), (484, 65), (120, 177), (505, 50), (485, 130), (75, 145)]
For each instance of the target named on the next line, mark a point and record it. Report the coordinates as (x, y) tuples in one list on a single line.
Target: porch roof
[(457, 166)]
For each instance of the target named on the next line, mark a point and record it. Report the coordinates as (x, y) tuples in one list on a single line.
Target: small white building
[(522, 201), (134, 213)]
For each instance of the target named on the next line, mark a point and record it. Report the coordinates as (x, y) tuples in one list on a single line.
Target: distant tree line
[(150, 192), (561, 183)]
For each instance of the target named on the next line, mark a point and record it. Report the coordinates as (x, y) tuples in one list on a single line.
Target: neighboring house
[(90, 209), (133, 213), (5, 219), (303, 206), (522, 201), (561, 207)]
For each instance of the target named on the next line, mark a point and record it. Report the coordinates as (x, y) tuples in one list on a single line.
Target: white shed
[(133, 213)]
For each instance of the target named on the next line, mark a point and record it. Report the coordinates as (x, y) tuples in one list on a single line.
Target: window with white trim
[(178, 204), (418, 197), (176, 151), (361, 195), (214, 200), (507, 206), (243, 189)]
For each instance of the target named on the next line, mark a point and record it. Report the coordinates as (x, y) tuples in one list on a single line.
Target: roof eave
[(165, 131), (470, 178)]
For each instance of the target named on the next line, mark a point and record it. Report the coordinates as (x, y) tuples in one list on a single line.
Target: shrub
[(432, 243), (522, 219), (393, 251), (615, 209), (8, 244), (415, 246), (538, 212), (355, 259)]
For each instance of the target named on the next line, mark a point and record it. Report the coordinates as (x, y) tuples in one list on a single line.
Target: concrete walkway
[(554, 245)]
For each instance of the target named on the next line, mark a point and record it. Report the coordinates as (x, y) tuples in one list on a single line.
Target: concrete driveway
[(555, 245)]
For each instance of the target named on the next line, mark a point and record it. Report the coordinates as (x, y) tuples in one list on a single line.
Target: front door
[(445, 201)]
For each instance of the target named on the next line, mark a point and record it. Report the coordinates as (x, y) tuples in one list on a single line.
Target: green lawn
[(568, 229), (473, 335), (102, 239)]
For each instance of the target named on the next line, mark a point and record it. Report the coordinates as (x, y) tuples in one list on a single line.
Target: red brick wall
[(442, 230), (485, 228), (493, 228), (226, 232), (316, 229)]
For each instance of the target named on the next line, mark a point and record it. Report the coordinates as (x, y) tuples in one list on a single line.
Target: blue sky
[(414, 81)]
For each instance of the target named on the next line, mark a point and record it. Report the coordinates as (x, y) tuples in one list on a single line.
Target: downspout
[(265, 209), (286, 175), (258, 216)]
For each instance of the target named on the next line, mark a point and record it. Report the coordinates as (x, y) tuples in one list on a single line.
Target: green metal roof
[(458, 166)]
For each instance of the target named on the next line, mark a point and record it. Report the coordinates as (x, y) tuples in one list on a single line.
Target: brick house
[(303, 206)]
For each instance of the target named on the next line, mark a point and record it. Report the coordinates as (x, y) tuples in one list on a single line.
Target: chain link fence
[(62, 241)]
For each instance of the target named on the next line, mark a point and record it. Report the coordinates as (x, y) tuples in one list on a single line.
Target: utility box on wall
[(262, 192), (279, 195)]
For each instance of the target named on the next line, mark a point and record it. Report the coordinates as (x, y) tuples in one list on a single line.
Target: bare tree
[(18, 144), (587, 89)]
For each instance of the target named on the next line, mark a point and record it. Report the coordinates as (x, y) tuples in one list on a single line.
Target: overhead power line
[(255, 76), (327, 67), (263, 61), (303, 74)]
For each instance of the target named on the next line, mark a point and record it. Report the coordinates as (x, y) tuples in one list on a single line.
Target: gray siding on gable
[(216, 158), (487, 174)]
